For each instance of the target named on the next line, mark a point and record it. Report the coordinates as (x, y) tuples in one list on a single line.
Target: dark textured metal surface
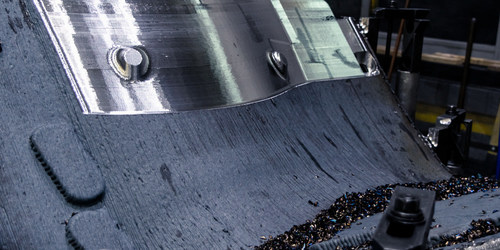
[(203, 54), (208, 179), (85, 227), (70, 167)]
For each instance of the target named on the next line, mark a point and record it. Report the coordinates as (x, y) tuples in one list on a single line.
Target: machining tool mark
[(405, 129), (315, 161), (352, 126), (13, 23), (166, 175), (257, 36), (6, 231), (330, 140), (294, 151), (368, 112), (26, 14)]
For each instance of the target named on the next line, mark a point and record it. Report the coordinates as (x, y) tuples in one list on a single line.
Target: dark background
[(450, 19)]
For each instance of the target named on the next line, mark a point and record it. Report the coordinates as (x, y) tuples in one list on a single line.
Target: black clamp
[(450, 143), (407, 220), (415, 24)]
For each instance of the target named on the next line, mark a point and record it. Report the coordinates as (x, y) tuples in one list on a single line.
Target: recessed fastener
[(277, 61), (132, 59), (129, 63)]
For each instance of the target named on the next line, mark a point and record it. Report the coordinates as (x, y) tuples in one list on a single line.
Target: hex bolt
[(406, 210), (407, 204)]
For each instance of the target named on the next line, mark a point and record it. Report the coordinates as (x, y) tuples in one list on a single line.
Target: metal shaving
[(352, 207), (479, 229)]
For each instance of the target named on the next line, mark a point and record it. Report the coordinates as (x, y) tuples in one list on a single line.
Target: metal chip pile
[(479, 229), (352, 207)]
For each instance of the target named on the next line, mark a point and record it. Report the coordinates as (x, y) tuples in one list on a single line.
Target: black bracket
[(407, 220), (449, 141), (415, 24)]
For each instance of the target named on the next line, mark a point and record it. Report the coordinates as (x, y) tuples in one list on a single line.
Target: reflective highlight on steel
[(154, 56)]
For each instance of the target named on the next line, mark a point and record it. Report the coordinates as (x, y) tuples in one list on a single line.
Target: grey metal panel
[(200, 179), (200, 54)]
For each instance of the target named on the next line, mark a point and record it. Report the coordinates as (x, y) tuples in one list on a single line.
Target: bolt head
[(279, 61), (407, 204), (132, 57), (451, 110), (129, 63)]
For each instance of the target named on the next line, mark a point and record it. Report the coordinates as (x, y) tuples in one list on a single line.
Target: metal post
[(406, 89), (388, 42), (409, 72), (396, 46), (468, 54)]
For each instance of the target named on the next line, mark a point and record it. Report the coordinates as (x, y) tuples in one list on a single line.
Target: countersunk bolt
[(278, 62), (130, 63), (132, 59)]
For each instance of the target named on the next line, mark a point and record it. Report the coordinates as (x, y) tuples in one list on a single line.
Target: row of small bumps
[(77, 177)]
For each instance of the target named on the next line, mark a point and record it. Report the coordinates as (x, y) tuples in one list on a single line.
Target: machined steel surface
[(202, 54)]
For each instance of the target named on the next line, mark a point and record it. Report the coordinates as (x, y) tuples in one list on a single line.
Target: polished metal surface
[(153, 56), (359, 45)]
